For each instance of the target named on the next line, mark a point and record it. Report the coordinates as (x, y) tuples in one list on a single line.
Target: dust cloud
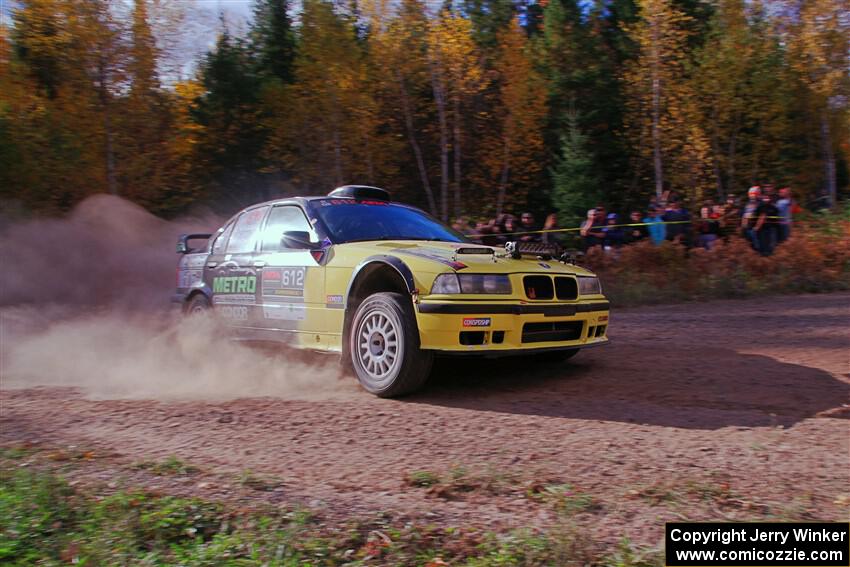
[(85, 303)]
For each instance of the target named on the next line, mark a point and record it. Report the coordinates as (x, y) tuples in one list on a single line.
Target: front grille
[(551, 332), (566, 288), (538, 287)]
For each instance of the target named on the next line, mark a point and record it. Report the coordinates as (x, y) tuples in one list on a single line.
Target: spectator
[(636, 233), (614, 234), (679, 229), (591, 229), (551, 223), (766, 225), (655, 226), (748, 216), (526, 224), (708, 226), (461, 225), (730, 216), (505, 227), (785, 206), (490, 233)]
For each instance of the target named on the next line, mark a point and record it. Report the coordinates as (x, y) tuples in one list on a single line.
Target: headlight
[(472, 283), (589, 286), (446, 283)]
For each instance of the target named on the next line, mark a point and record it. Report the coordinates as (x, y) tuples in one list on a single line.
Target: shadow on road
[(708, 388)]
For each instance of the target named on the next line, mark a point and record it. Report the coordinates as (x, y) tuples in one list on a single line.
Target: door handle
[(259, 264), (212, 264)]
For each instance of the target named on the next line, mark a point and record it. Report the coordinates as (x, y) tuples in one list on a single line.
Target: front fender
[(394, 262)]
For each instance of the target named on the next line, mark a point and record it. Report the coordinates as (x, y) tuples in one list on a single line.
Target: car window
[(350, 220), (221, 241), (282, 219), (246, 230)]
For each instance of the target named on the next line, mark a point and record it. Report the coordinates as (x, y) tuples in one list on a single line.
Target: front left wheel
[(384, 346)]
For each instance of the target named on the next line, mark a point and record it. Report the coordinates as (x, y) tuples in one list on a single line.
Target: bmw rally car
[(387, 286)]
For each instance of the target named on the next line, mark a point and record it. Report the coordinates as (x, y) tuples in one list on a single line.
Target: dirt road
[(722, 410)]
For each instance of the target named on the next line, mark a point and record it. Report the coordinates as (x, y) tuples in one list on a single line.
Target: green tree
[(575, 189), (273, 39)]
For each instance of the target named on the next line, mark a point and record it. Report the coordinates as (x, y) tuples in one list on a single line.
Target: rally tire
[(384, 348), (198, 304)]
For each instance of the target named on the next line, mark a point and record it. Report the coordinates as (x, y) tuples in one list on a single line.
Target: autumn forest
[(467, 107)]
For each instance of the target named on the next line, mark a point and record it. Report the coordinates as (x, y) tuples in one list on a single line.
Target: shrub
[(815, 259)]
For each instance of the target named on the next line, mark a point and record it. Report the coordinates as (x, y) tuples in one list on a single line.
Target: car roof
[(298, 200)]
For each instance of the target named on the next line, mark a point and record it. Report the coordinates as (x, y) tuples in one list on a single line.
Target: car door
[(291, 291), (234, 278)]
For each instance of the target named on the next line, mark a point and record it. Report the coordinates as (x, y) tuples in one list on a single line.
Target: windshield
[(348, 220)]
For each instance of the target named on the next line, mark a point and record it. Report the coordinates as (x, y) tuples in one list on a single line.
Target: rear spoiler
[(183, 242)]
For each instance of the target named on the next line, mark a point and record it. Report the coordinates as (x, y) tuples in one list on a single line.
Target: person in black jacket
[(636, 233), (680, 228), (766, 229)]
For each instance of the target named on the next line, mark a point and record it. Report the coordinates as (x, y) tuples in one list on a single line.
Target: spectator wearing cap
[(678, 219), (748, 216), (614, 234), (655, 225), (785, 206)]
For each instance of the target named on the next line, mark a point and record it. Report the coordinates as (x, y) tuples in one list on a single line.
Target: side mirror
[(183, 242), (298, 239)]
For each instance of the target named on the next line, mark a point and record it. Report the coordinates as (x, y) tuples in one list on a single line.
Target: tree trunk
[(337, 142), (829, 160), (503, 178), (457, 157), (730, 175), (440, 99), (108, 134), (656, 114), (109, 147), (414, 144)]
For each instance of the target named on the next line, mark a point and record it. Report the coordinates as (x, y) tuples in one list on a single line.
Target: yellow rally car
[(387, 286)]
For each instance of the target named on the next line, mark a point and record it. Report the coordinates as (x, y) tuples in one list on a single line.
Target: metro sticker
[(476, 321), (334, 299), (234, 284)]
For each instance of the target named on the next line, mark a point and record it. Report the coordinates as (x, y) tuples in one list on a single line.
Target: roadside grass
[(45, 520), (170, 466), (262, 483), (564, 498), (459, 480)]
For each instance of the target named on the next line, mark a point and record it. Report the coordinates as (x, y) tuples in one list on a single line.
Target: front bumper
[(511, 327)]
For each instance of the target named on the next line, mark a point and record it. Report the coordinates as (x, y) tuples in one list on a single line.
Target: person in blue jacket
[(657, 231)]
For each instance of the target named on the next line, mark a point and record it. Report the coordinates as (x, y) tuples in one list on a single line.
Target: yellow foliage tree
[(663, 116), (819, 42), (456, 78), (515, 157), (325, 127)]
